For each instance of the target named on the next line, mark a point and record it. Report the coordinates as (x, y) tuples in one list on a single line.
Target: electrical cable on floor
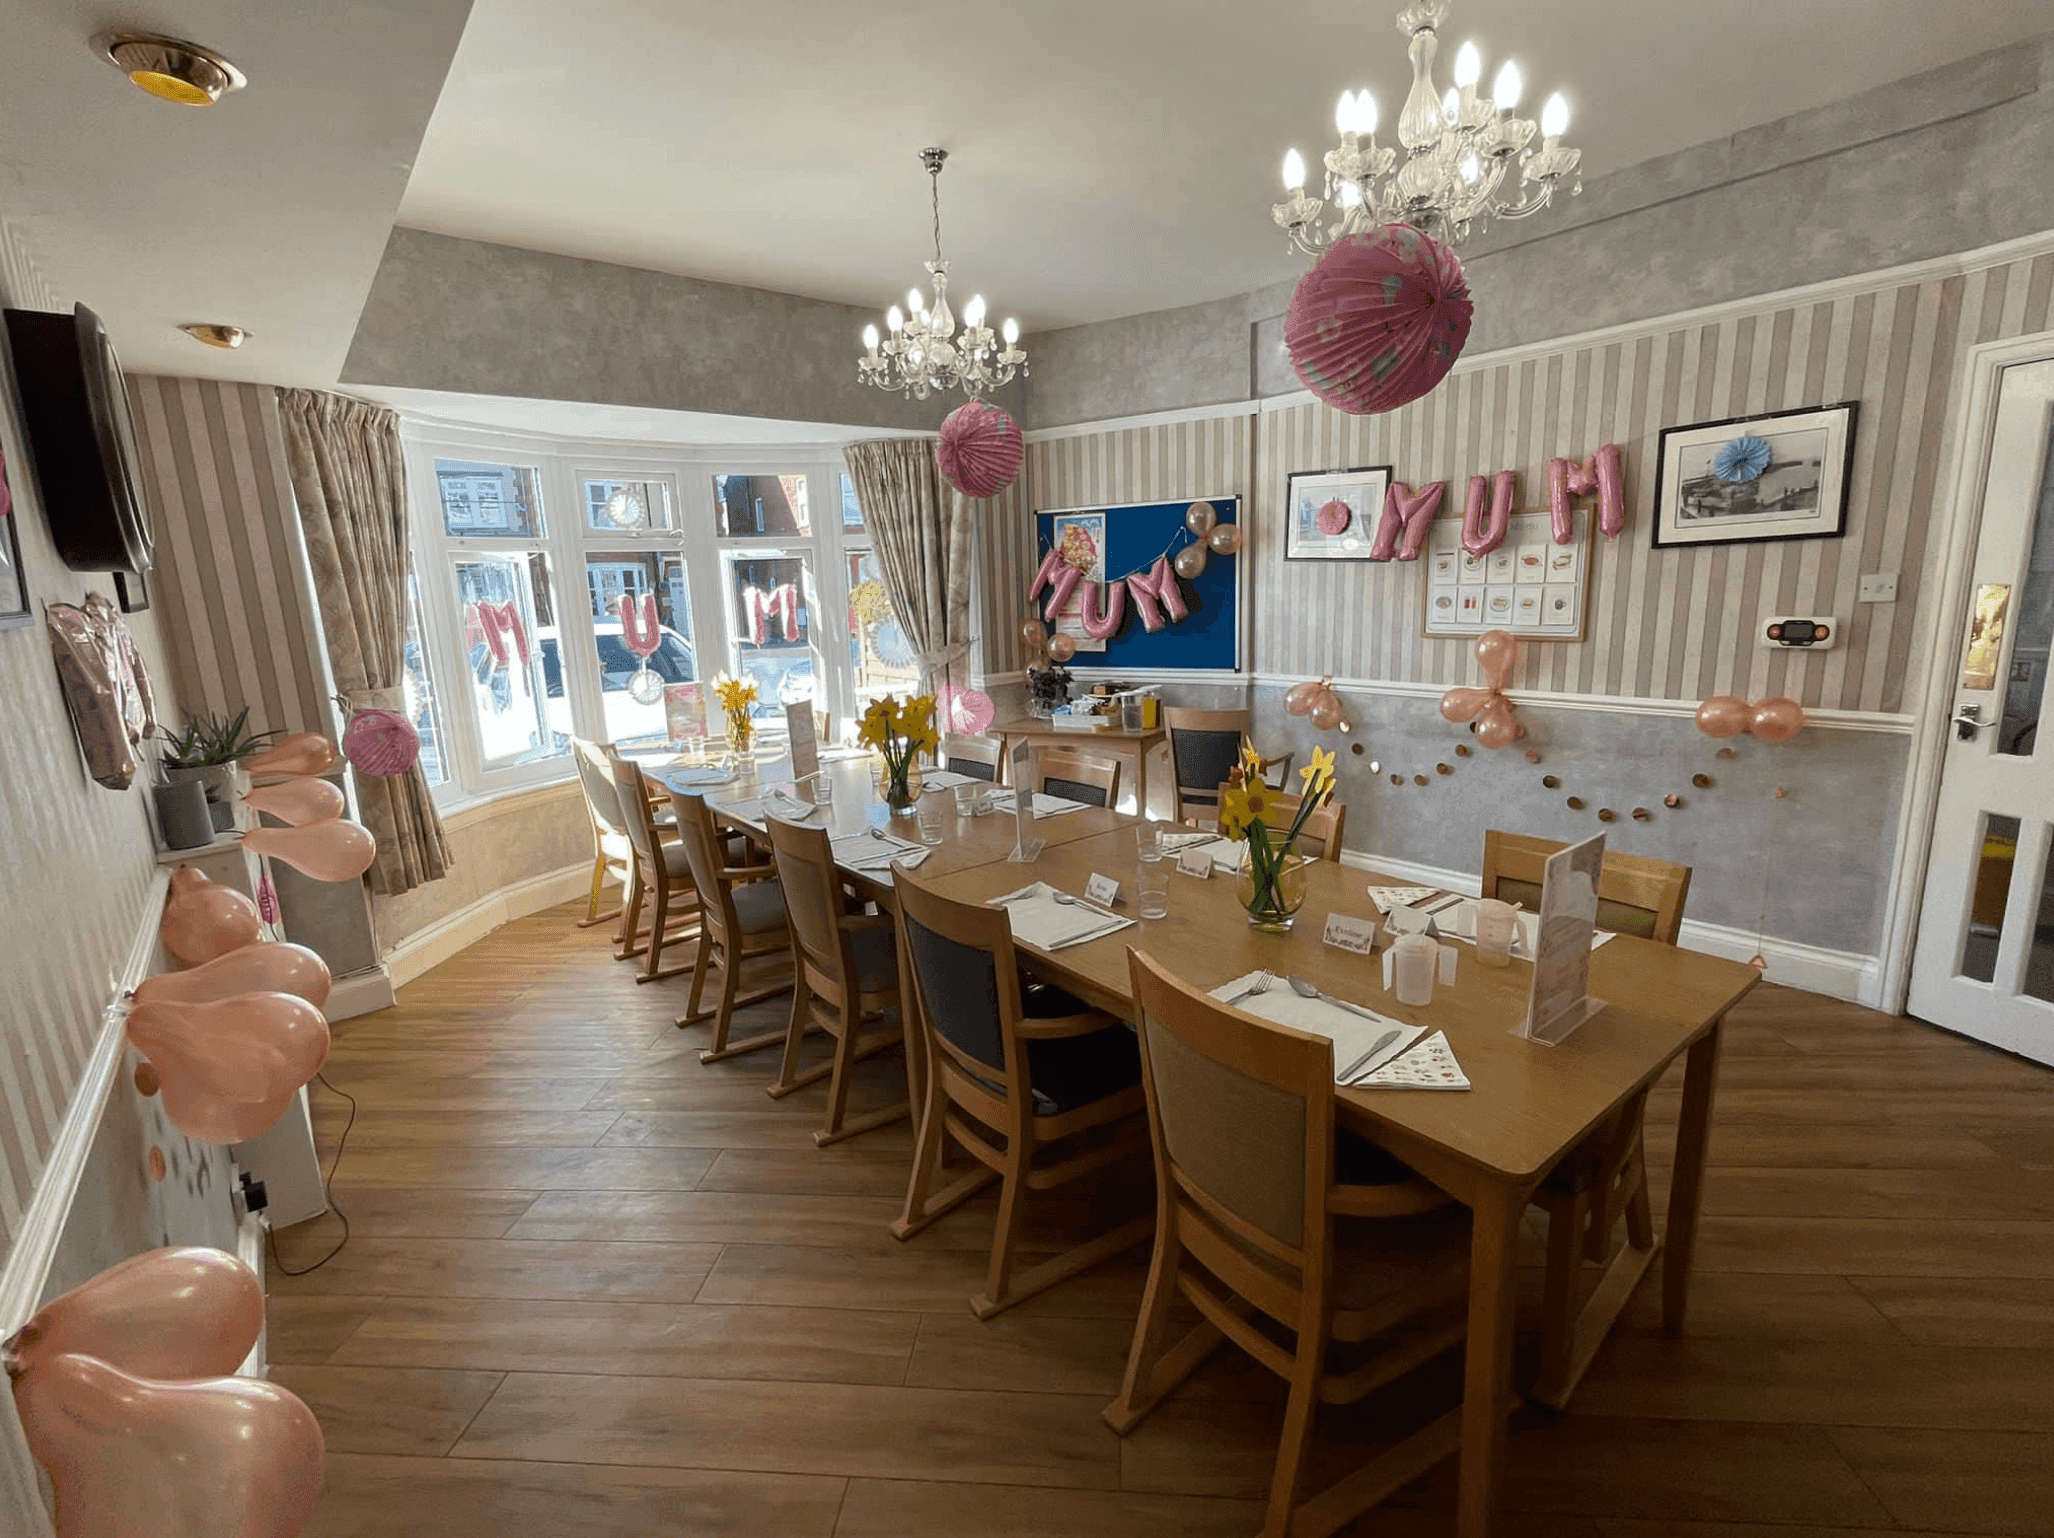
[(327, 1190)]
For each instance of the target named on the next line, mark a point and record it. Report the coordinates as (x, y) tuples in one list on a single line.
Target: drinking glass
[(928, 814), (1152, 884), (1148, 843), (1495, 927), (823, 789), (966, 800)]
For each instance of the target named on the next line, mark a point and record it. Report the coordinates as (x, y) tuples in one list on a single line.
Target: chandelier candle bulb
[(894, 320), (1555, 118), (1505, 90), (1012, 331), (1468, 66), (1294, 171)]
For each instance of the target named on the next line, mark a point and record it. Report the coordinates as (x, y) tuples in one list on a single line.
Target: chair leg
[(1297, 1434), (730, 982), (1152, 1373), (708, 946), (1012, 1203), (838, 1083), (921, 1207), (1566, 1218), (631, 919), (795, 1034), (598, 884)]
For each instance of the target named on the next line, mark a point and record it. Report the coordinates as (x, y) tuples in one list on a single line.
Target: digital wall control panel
[(1800, 632)]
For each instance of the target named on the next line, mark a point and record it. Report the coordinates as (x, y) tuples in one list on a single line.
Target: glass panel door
[(511, 644), (770, 616), (631, 687)]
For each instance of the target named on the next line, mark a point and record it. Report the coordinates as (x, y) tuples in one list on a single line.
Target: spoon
[(1305, 990)]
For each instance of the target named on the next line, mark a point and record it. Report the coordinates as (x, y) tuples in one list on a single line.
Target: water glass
[(1152, 888), (927, 812), (966, 800), (823, 789), (1148, 843), (1495, 927)]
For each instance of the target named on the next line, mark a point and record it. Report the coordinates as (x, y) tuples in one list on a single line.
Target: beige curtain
[(344, 460), (922, 527)]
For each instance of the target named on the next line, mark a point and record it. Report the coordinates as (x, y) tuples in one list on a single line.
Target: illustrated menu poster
[(805, 742), (1529, 585), (684, 713), (1561, 1000), (1081, 538)]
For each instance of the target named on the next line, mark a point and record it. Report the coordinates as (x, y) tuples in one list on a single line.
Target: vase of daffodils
[(736, 696), (1272, 871), (900, 733)]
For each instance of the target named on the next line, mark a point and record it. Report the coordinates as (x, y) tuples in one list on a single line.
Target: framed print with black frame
[(1774, 475), (1531, 586), (14, 583), (1331, 515)]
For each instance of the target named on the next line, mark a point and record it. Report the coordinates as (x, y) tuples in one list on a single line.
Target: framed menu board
[(1529, 585)]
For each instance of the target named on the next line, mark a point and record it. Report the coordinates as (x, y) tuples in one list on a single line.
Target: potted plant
[(207, 751)]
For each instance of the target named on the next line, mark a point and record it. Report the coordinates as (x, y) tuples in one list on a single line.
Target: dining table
[(1529, 1105)]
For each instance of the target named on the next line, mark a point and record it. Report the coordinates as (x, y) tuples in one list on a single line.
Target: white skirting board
[(1837, 974), (442, 940)]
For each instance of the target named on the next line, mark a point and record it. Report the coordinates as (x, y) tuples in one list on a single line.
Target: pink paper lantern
[(980, 449), (965, 710), (381, 742), (1379, 320)]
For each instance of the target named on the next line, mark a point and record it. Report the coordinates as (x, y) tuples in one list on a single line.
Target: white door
[(1984, 962)]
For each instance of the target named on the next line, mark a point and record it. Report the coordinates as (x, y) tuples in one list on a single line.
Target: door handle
[(1968, 720)]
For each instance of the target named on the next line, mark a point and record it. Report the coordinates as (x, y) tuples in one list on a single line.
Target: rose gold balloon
[(1723, 716), (1225, 539), (1326, 711), (203, 920), (1465, 704), (335, 850), (229, 1067), (1032, 633), (295, 753), (1190, 561), (1200, 519), (1777, 720), (182, 1312), (1062, 648), (1497, 727), (270, 966), (1299, 698), (297, 802), (133, 1457), (1497, 653)]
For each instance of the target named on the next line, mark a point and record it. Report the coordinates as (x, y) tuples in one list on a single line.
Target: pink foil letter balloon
[(1479, 538), (328, 851), (1407, 511), (1101, 626), (270, 966), (203, 920), (1157, 585), (1601, 474), (297, 802), (183, 1312)]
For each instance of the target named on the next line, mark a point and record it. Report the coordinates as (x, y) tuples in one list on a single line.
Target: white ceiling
[(595, 423), (1109, 156)]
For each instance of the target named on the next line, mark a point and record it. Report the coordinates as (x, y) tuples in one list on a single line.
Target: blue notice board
[(1129, 538)]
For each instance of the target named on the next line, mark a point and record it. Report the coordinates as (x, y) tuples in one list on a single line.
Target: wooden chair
[(1604, 1179), (612, 854), (976, 756), (1077, 776), (661, 874), (1205, 745), (1252, 1222), (1039, 1099), (741, 918), (1320, 838), (847, 978)]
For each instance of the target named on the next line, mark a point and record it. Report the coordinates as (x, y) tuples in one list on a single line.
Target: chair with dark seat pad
[(661, 877), (741, 918), (1205, 747), (1605, 1178), (846, 982), (1074, 776), (1338, 1288), (1039, 1090), (974, 755)]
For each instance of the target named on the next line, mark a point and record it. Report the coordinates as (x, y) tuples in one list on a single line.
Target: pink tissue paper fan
[(965, 710), (980, 449), (381, 742), (1379, 320)]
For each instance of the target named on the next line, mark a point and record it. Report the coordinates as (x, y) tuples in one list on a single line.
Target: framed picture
[(1529, 585), (1781, 475), (132, 592), (14, 588), (1332, 514)]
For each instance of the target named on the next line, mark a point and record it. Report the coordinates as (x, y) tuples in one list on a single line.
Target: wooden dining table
[(1529, 1106)]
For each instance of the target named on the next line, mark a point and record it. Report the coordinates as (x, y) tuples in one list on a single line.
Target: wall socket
[(1878, 587)]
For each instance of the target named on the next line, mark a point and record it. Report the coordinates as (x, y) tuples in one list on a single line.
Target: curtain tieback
[(394, 700)]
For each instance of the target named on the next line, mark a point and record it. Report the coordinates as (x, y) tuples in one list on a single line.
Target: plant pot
[(1271, 882), (220, 795), (182, 816)]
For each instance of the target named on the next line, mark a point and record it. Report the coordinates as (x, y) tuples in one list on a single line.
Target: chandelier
[(923, 354), (1468, 158)]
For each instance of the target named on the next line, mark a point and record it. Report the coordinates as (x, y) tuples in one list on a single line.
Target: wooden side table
[(1133, 747)]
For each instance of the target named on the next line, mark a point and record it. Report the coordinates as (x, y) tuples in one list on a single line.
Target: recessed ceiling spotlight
[(217, 336), (171, 69)]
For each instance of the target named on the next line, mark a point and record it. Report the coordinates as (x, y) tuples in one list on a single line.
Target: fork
[(1260, 985)]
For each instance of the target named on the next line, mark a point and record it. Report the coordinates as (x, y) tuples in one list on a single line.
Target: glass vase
[(1271, 881), (741, 731), (899, 789)]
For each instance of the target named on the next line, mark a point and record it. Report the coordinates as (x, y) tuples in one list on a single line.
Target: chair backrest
[(1241, 1116), (1320, 838), (1077, 776), (1204, 747), (701, 842), (813, 903), (965, 981), (631, 795), (1637, 895), (976, 756), (595, 778)]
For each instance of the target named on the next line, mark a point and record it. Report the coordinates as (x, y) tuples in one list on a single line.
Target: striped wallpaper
[(1668, 624), (231, 580)]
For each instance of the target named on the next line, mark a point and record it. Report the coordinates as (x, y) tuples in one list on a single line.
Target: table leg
[(1487, 1362), (1687, 1181)]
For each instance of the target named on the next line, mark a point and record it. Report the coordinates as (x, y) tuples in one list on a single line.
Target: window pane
[(771, 621), (1991, 896), (761, 504), (627, 505), (2032, 627), (514, 667), (852, 510), (880, 653), (610, 576), (489, 501), (419, 692)]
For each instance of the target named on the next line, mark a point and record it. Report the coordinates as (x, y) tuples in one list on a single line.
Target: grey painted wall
[(465, 316)]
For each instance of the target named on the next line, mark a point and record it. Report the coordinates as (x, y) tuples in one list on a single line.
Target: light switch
[(1878, 587)]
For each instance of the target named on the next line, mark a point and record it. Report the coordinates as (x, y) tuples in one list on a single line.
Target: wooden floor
[(598, 1289)]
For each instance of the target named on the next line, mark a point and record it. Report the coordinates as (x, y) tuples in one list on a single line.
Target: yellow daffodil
[(1319, 774), (1251, 762), (1234, 813), (1256, 802)]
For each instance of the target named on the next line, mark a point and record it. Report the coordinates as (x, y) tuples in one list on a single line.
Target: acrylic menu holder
[(1560, 1000), (804, 740), (1025, 845)]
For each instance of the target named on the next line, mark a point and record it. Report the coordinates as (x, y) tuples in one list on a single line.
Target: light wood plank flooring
[(598, 1290)]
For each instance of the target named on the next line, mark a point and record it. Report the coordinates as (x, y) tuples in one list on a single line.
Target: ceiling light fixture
[(922, 355), (216, 335), (1462, 148), (171, 69)]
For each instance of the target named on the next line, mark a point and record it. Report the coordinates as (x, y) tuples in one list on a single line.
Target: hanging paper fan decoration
[(1335, 516), (1379, 320), (381, 742), (965, 710), (893, 648), (980, 449), (1741, 459)]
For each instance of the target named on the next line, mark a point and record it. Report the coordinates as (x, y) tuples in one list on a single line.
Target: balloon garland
[(1497, 651), (1318, 702), (1158, 599)]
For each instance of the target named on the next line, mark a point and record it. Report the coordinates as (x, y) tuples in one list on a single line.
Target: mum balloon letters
[(1481, 537), (1600, 475), (1406, 512)]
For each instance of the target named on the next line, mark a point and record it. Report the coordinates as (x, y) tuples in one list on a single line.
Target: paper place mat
[(1429, 1065), (689, 778), (1388, 897), (749, 809), (1044, 805), (783, 804), (861, 851), (1352, 1034), (947, 779), (1039, 919)]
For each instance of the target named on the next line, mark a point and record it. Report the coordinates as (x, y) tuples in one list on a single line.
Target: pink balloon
[(1406, 512), (1157, 585), (1497, 653), (1326, 710), (270, 966), (1100, 626), (229, 1067), (1046, 573), (1778, 720), (1600, 474), (131, 1456), (1225, 539), (1478, 537), (1190, 562), (328, 851), (1497, 727), (1465, 704), (203, 920), (1299, 698), (1723, 716), (1062, 648), (297, 802), (1060, 588), (295, 753), (183, 1312)]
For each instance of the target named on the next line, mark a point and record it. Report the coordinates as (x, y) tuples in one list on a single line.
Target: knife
[(1383, 1041)]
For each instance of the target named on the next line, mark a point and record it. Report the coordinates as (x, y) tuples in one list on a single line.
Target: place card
[(1102, 890), (1350, 934), (1195, 862), (1025, 845), (1406, 920), (805, 741)]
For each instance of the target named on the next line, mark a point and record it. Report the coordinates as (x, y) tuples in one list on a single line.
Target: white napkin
[(1351, 1034), (1458, 922), (1044, 805), (788, 806), (946, 779), (1189, 838), (690, 777), (1388, 897), (862, 851), (1040, 920), (749, 809)]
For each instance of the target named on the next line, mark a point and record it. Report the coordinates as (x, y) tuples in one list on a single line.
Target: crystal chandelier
[(923, 355), (1468, 158)]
